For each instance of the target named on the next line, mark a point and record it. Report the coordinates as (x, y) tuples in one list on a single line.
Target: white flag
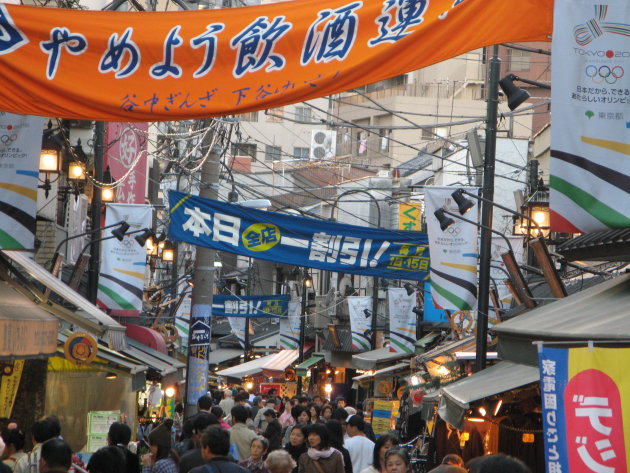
[(453, 252), (360, 309), (238, 324), (290, 327), (121, 281), (402, 320)]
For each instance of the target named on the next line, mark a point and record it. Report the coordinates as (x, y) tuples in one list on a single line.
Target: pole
[(201, 313), (97, 202), (302, 329), (248, 292), (485, 253)]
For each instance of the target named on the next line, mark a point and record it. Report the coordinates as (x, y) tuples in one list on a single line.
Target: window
[(301, 152), (303, 114), (244, 149), (518, 60), (273, 153), (428, 133), (275, 114), (384, 137), (248, 117)]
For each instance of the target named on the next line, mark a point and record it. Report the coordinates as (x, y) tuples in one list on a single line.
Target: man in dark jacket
[(56, 456), (119, 435), (215, 446), (192, 458)]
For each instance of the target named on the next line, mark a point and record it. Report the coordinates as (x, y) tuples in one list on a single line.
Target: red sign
[(594, 422), (126, 156)]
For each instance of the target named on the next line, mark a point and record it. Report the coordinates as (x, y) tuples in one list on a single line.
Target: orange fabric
[(270, 77)]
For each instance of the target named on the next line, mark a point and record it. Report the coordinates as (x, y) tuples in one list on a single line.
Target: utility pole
[(201, 317), (97, 203), (485, 253), (302, 328)]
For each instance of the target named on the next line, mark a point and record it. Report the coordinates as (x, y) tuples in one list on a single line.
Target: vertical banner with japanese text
[(9, 388), (237, 327), (453, 252), (585, 394), (121, 279), (20, 146), (126, 156), (402, 320), (590, 138), (360, 310), (290, 328)]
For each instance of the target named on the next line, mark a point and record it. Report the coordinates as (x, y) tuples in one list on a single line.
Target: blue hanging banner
[(250, 306), (298, 241)]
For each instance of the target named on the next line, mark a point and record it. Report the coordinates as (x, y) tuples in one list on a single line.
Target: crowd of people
[(237, 433)]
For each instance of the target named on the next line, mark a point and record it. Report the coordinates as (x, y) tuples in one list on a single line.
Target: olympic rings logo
[(602, 74), (8, 139)]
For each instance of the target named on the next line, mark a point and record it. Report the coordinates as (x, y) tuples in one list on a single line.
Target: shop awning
[(370, 359), (302, 368), (171, 369), (111, 361), (464, 344), (274, 363), (26, 330), (601, 312), (389, 371), (221, 355), (504, 376), (146, 336), (87, 316)]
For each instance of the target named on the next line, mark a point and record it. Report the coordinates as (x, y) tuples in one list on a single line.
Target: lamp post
[(307, 283), (374, 278), (97, 211), (485, 253)]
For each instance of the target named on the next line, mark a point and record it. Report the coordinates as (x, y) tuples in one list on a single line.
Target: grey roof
[(608, 245), (421, 161), (599, 313)]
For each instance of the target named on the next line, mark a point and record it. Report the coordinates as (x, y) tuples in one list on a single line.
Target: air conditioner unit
[(323, 144)]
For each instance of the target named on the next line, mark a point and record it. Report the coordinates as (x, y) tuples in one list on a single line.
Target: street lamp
[(515, 95), (52, 145), (108, 194), (375, 284)]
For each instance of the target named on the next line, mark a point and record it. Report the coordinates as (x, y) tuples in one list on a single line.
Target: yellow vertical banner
[(9, 388), (382, 417), (409, 216)]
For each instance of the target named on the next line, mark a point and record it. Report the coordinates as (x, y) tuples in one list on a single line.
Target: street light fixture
[(515, 95), (52, 145), (108, 194)]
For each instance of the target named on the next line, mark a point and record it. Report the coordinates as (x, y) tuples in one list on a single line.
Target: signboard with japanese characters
[(126, 156), (585, 394), (250, 306), (409, 216), (297, 240), (19, 159), (158, 66), (590, 138)]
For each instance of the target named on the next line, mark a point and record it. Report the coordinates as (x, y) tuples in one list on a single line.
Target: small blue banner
[(250, 306), (298, 241)]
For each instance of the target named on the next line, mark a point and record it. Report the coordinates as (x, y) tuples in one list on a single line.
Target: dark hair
[(217, 411), (43, 430), (179, 408), (302, 399), (54, 420), (205, 402), (297, 410), (14, 437), (336, 433), (239, 414), (203, 420), (318, 409), (327, 407), (382, 440), (452, 459), (119, 433), (356, 421), (339, 414), (322, 431), (217, 440), (241, 396), (497, 463), (270, 412), (109, 459), (57, 453), (401, 452)]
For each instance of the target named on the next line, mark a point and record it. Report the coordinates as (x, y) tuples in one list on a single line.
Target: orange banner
[(154, 66)]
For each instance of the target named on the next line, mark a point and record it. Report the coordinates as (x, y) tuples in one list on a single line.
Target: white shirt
[(361, 451)]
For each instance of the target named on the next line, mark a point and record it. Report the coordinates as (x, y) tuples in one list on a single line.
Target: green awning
[(302, 368)]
